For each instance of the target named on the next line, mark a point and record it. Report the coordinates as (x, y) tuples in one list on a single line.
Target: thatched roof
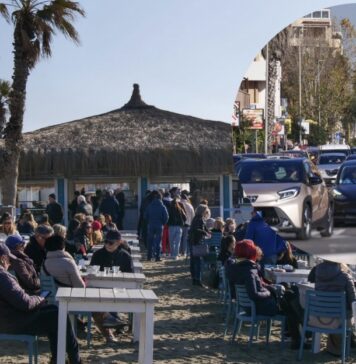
[(135, 140)]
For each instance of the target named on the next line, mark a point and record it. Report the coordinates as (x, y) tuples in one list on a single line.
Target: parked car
[(351, 157), (328, 165), (290, 193), (241, 156), (353, 150), (344, 193), (277, 156), (294, 153), (335, 148)]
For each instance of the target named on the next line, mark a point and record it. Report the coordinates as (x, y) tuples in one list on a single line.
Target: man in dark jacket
[(54, 210), (156, 216), (110, 206), (113, 254), (35, 249), (29, 315), (271, 244)]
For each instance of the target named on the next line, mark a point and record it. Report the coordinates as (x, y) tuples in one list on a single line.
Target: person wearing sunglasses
[(113, 254)]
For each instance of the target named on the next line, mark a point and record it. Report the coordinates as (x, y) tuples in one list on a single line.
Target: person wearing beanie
[(113, 254), (23, 266), (54, 210), (97, 235), (35, 249)]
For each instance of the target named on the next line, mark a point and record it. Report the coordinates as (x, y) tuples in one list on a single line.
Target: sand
[(188, 329)]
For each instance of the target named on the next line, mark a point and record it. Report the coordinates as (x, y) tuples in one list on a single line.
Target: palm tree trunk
[(272, 78), (13, 130)]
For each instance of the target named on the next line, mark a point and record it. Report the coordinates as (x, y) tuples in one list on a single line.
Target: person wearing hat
[(21, 314), (35, 249), (97, 235), (113, 254), (54, 210), (23, 266)]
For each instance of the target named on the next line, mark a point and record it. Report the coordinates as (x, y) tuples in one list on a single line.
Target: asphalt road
[(341, 246)]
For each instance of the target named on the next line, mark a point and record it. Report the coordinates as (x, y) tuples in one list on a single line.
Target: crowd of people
[(54, 250)]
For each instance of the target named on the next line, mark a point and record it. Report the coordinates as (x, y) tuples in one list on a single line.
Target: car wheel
[(305, 232), (329, 223)]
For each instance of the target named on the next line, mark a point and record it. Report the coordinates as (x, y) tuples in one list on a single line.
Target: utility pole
[(300, 85), (266, 100)]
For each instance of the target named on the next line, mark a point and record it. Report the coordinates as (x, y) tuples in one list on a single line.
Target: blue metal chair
[(48, 284), (329, 305), (246, 312), (226, 298), (29, 339)]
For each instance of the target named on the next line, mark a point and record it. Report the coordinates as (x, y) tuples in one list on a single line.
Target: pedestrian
[(83, 206), (54, 210), (176, 221), (156, 216), (167, 199), (189, 211), (142, 223), (120, 196), (74, 204), (110, 206), (197, 233)]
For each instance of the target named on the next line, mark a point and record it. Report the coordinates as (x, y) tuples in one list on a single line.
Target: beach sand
[(188, 329)]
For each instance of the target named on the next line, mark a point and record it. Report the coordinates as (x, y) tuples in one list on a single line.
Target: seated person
[(218, 226), (292, 173), (351, 178), (60, 264), (35, 249), (23, 266), (245, 272), (113, 254), (22, 314), (97, 235), (8, 226), (83, 239), (27, 224), (334, 277), (287, 257), (266, 238), (226, 255), (230, 226)]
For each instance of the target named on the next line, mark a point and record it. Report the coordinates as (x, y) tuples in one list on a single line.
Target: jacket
[(197, 231), (156, 213), (119, 258), (110, 206), (25, 272), (189, 211), (15, 304), (60, 265), (245, 273), (177, 217), (55, 212), (263, 236), (328, 276), (36, 253)]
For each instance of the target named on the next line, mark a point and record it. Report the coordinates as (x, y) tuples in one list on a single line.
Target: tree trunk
[(272, 78), (13, 130)]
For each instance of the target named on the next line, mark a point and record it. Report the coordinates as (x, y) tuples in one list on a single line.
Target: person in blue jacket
[(271, 244), (156, 216)]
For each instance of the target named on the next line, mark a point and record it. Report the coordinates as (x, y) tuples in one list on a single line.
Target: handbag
[(200, 250)]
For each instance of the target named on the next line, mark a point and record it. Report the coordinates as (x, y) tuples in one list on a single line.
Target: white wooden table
[(136, 257), (289, 277), (137, 267), (141, 302), (118, 280)]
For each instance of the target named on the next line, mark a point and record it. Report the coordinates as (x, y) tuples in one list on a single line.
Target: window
[(325, 14), (317, 14)]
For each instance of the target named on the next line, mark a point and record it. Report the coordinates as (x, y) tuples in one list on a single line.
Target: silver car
[(290, 193), (328, 165)]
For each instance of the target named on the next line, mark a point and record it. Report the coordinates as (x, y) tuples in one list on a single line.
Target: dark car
[(351, 157), (239, 157), (353, 150), (294, 153), (344, 193)]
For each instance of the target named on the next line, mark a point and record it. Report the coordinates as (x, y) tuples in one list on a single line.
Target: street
[(342, 245)]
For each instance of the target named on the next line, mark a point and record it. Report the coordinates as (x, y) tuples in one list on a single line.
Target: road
[(341, 246)]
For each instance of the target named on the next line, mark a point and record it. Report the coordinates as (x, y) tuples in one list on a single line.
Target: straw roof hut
[(135, 140)]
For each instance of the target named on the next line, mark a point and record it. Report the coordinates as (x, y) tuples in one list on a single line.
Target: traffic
[(299, 191)]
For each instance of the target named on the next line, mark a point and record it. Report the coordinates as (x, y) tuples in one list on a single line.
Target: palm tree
[(35, 22), (5, 89)]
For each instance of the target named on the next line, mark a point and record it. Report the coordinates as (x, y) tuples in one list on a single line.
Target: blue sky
[(187, 55)]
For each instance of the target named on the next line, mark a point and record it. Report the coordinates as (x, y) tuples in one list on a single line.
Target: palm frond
[(4, 12)]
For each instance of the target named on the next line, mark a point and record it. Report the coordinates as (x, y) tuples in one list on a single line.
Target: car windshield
[(343, 151), (270, 172), (348, 175), (331, 159)]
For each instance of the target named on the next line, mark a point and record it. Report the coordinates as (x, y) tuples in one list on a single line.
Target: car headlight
[(290, 193), (338, 195)]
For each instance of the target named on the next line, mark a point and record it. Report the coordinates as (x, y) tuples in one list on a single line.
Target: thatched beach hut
[(136, 145)]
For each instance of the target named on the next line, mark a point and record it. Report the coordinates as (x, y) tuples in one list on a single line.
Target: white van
[(335, 148)]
